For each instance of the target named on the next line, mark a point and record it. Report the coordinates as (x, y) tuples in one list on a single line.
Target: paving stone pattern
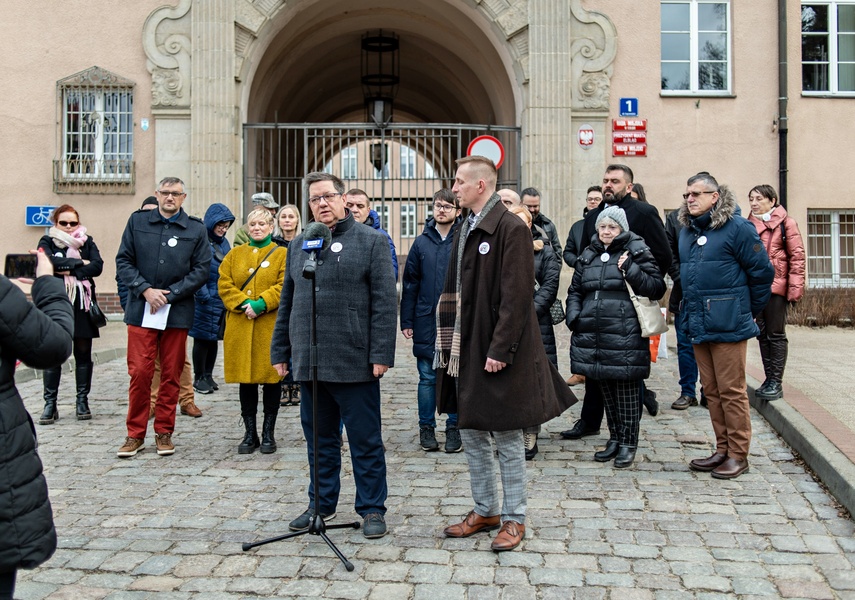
[(172, 527)]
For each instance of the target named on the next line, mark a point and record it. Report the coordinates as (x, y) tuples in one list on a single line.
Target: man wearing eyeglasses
[(643, 220), (163, 259), (356, 321), (727, 281), (424, 275)]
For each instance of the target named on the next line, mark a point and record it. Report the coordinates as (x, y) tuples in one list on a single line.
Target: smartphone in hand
[(21, 265)]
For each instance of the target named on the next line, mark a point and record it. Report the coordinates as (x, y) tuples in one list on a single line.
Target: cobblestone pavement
[(172, 527)]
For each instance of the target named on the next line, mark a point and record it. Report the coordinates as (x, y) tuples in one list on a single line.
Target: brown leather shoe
[(731, 468), (684, 402), (191, 410), (472, 524), (707, 464), (576, 380), (509, 537)]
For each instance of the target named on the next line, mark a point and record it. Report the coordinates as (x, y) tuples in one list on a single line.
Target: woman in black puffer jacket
[(607, 345), (39, 334)]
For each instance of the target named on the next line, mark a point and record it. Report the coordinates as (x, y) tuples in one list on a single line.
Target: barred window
[(831, 248), (408, 221), (408, 163), (349, 168), (97, 134)]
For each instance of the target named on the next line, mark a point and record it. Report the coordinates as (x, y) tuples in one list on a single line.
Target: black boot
[(268, 443), (650, 402), (607, 453), (51, 384), (765, 354), (294, 391), (250, 439), (83, 377), (772, 389), (625, 456)]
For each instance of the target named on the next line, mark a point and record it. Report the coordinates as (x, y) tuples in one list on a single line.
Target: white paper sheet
[(156, 320)]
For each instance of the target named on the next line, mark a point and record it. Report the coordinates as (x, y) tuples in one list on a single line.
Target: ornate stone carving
[(95, 77), (593, 52), (594, 90), (166, 40)]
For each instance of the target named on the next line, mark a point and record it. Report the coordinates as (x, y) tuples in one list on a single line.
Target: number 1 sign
[(629, 107)]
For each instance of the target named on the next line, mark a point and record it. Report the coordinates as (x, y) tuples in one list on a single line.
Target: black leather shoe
[(684, 402), (650, 402), (625, 457), (608, 453), (579, 430), (773, 391)]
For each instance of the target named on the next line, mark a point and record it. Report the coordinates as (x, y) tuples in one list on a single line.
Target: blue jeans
[(427, 396), (685, 358)]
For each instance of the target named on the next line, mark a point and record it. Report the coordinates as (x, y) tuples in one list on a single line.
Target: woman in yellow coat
[(249, 326)]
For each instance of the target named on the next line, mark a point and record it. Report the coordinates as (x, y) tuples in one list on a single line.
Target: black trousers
[(7, 585), (592, 405)]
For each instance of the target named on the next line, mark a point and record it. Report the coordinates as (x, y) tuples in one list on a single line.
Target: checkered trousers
[(482, 472), (623, 409)]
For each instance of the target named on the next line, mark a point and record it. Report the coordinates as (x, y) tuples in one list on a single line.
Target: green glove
[(258, 306)]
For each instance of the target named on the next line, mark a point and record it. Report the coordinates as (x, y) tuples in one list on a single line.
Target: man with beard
[(643, 220)]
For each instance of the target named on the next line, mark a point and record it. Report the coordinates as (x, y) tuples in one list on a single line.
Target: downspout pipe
[(782, 102)]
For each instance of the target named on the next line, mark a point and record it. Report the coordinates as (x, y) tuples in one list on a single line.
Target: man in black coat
[(644, 221), (531, 200), (163, 259)]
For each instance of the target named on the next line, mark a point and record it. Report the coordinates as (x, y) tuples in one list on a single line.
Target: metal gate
[(399, 166)]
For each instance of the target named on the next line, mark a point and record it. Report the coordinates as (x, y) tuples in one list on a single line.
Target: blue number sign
[(629, 107), (39, 216)]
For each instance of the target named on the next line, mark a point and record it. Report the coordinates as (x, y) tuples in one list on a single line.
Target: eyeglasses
[(68, 223), (444, 207), (315, 200), (167, 194), (696, 194)]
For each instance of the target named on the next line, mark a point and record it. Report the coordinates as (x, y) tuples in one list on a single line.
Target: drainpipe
[(782, 102)]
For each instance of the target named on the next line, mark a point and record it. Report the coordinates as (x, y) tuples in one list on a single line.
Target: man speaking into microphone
[(356, 323)]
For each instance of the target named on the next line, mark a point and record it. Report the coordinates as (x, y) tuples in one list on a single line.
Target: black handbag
[(96, 315)]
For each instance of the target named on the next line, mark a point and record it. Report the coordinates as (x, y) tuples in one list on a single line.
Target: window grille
[(831, 248), (408, 163), (349, 169)]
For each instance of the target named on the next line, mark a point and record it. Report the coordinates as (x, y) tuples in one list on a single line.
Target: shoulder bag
[(221, 331), (650, 316)]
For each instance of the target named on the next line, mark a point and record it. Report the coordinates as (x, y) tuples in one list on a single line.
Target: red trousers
[(143, 345), (722, 369)]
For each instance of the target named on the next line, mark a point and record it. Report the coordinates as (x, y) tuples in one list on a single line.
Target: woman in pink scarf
[(77, 261)]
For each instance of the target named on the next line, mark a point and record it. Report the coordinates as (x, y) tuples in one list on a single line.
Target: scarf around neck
[(448, 313), (72, 242)]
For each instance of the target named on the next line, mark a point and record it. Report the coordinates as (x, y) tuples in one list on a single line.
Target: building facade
[(95, 120)]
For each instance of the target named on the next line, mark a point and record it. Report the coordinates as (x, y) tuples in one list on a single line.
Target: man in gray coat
[(356, 330), (162, 260)]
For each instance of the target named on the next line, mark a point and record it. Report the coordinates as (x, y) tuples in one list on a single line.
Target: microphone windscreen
[(317, 231)]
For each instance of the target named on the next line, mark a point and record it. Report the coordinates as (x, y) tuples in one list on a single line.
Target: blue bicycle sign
[(39, 216)]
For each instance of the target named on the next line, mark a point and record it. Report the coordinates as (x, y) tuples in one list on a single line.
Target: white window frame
[(693, 51), (383, 213), (836, 279), (86, 155), (349, 163), (408, 163), (409, 221), (832, 64)]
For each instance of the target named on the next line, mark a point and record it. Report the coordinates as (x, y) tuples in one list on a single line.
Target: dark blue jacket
[(547, 274), (173, 256), (373, 220), (209, 307), (725, 273), (424, 276)]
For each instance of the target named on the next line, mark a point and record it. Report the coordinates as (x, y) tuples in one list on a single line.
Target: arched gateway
[(244, 79)]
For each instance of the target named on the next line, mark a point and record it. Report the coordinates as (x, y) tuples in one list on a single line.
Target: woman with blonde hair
[(77, 261), (250, 284), (287, 226), (780, 235), (547, 275)]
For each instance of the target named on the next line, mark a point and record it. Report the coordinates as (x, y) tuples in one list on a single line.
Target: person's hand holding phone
[(19, 267)]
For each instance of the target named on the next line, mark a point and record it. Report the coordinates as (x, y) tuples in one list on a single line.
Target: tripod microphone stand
[(317, 525)]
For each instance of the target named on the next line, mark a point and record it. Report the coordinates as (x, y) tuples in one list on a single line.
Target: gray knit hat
[(616, 214)]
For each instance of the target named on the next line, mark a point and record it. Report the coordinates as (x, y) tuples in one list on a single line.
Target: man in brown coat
[(492, 367)]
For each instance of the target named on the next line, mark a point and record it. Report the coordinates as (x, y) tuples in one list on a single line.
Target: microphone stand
[(317, 526)]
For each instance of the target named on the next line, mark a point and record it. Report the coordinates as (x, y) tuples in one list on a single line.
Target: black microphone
[(316, 237)]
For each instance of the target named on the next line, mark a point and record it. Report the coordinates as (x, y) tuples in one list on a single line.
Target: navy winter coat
[(725, 273), (38, 333), (424, 275), (607, 342), (209, 307), (173, 256), (547, 274), (373, 220)]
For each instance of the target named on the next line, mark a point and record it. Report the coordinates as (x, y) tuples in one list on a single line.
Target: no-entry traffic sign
[(489, 147)]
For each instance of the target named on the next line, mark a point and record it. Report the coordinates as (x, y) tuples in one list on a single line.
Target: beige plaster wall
[(40, 46)]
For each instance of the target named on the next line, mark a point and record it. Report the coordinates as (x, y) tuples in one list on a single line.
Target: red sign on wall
[(629, 137), (629, 149), (629, 124)]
